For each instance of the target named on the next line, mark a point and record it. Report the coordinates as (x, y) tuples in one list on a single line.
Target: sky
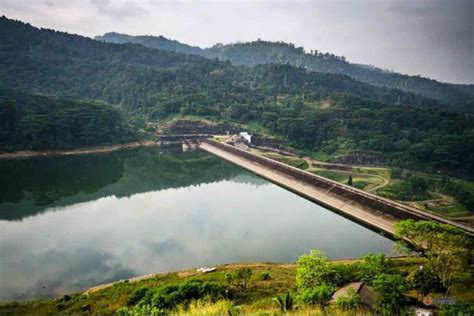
[(431, 38)]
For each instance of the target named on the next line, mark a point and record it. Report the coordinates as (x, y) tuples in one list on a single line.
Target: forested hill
[(40, 122), (158, 42), (313, 111), (138, 78), (458, 97)]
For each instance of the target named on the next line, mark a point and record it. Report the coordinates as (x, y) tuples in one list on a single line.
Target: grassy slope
[(257, 297)]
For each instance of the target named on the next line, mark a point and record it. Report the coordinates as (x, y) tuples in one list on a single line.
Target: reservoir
[(72, 222)]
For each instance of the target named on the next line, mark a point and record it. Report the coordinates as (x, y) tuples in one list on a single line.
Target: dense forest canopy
[(457, 97), (40, 122), (327, 112)]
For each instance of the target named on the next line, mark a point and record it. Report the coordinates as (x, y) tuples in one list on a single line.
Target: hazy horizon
[(434, 39)]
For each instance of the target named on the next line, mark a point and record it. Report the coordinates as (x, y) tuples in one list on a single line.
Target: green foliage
[(413, 189), (141, 310), (137, 296), (446, 247), (461, 193), (284, 302), (243, 276), (349, 302), (239, 278), (38, 122), (396, 173), (154, 84), (373, 265), (320, 295), (458, 309), (390, 288), (423, 280), (264, 52), (168, 297), (264, 276), (312, 270)]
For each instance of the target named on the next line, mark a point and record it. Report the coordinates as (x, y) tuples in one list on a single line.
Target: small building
[(367, 296), (246, 136)]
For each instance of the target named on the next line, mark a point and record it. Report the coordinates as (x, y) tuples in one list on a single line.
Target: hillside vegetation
[(316, 112), (458, 97), (35, 122)]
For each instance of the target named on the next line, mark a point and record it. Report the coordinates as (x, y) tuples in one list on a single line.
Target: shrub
[(284, 302), (317, 296), (243, 276), (139, 310), (458, 309), (424, 281), (341, 274), (372, 265), (264, 276), (170, 296), (312, 270), (137, 296), (390, 288)]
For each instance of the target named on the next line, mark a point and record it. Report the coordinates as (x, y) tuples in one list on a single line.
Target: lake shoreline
[(78, 151)]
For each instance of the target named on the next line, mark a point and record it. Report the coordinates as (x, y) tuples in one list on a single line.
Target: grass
[(397, 191), (295, 162), (452, 210), (330, 174)]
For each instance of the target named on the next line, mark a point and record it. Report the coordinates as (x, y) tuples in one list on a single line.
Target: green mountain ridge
[(459, 97), (315, 112)]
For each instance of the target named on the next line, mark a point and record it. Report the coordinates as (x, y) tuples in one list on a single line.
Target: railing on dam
[(363, 198)]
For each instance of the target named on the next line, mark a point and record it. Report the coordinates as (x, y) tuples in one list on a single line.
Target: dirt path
[(79, 151), (385, 182)]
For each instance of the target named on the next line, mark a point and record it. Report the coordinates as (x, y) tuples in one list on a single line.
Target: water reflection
[(30, 186), (166, 214)]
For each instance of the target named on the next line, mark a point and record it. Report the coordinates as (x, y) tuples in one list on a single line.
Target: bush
[(312, 270), (243, 276), (424, 280), (137, 296), (168, 297), (140, 310), (284, 302), (264, 276), (458, 309), (320, 295), (390, 287), (372, 265)]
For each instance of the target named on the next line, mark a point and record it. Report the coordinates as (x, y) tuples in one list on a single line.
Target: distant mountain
[(458, 97), (135, 77), (159, 42)]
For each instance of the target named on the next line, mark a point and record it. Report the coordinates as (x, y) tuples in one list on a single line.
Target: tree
[(390, 287), (445, 246), (423, 280), (312, 270), (372, 265), (320, 295), (243, 276), (417, 185)]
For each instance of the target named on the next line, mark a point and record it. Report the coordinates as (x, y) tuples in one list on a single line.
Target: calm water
[(68, 223)]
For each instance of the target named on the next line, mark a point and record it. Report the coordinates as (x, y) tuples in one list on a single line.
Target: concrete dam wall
[(362, 206)]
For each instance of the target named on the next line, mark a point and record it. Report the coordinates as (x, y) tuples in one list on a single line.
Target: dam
[(371, 210)]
